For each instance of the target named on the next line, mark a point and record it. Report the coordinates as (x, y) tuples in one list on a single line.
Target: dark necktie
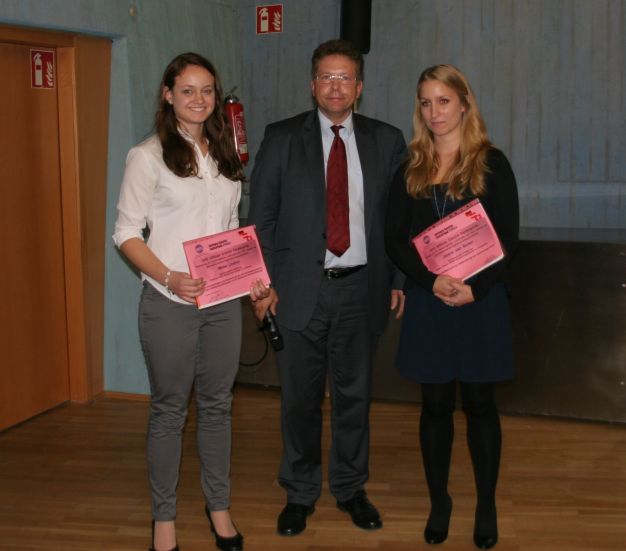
[(337, 204)]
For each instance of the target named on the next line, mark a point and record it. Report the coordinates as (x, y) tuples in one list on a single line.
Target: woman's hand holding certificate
[(460, 244), (230, 263)]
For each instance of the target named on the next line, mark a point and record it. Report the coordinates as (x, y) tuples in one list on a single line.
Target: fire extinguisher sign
[(269, 19), (42, 69)]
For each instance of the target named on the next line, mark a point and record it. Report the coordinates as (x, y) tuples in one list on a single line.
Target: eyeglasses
[(327, 78)]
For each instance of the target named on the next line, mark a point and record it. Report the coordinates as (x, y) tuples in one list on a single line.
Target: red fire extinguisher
[(234, 110)]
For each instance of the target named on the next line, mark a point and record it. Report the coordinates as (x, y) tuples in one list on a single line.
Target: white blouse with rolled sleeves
[(175, 209)]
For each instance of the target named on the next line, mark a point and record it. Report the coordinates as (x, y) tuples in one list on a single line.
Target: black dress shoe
[(232, 543), (363, 513), (152, 548), (292, 519)]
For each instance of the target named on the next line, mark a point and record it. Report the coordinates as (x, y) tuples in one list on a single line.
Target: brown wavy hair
[(468, 174), (178, 153)]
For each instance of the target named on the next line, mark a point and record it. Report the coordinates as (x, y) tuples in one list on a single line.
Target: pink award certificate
[(228, 262), (460, 244)]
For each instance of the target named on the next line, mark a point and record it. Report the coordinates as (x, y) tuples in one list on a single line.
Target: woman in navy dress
[(454, 330)]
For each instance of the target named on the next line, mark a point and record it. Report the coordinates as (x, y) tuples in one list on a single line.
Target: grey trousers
[(188, 348), (337, 343)]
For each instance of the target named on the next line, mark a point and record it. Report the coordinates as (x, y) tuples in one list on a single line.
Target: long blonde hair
[(468, 173)]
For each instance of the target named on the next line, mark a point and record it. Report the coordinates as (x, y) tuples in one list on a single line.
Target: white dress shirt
[(356, 254), (175, 209)]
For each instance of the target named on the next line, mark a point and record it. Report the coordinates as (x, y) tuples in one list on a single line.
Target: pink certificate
[(460, 244), (228, 262)]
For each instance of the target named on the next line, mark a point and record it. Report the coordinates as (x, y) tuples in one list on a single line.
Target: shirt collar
[(189, 138), (326, 123)]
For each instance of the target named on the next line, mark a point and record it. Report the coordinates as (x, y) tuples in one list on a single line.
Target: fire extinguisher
[(234, 110)]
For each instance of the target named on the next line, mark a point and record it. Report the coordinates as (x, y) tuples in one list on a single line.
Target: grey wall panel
[(569, 313)]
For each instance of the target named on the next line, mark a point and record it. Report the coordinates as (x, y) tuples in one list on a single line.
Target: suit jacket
[(287, 205)]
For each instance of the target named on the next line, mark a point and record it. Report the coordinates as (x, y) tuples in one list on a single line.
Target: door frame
[(83, 81)]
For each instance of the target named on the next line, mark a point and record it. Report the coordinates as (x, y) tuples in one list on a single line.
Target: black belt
[(336, 273)]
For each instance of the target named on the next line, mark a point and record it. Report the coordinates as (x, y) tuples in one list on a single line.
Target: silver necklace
[(445, 198)]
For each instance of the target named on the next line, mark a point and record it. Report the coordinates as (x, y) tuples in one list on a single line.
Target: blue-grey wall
[(145, 35), (549, 75)]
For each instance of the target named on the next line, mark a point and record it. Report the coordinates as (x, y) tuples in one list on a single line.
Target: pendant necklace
[(445, 198)]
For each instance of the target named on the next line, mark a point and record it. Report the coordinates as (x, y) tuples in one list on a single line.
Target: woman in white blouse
[(182, 183)]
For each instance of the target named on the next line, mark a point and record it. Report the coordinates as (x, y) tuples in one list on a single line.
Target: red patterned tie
[(337, 204)]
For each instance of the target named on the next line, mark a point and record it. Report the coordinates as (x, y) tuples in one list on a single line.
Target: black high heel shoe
[(233, 543), (485, 542), (436, 530), (486, 528), (152, 548)]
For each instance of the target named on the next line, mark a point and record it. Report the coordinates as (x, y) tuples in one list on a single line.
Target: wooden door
[(34, 372)]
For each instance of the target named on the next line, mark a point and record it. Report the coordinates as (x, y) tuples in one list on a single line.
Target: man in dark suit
[(325, 252)]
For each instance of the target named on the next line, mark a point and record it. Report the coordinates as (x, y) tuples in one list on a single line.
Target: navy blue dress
[(439, 343)]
